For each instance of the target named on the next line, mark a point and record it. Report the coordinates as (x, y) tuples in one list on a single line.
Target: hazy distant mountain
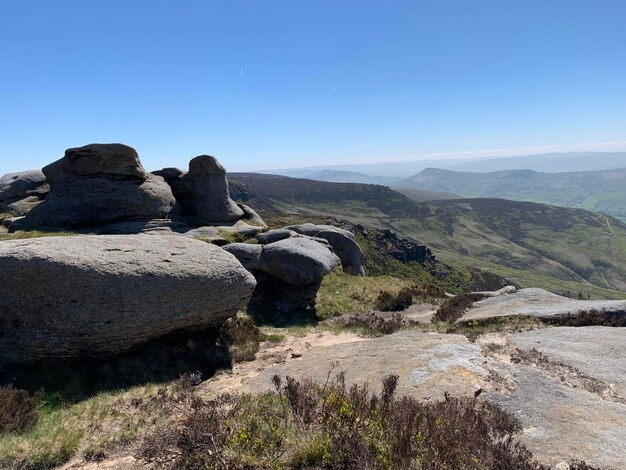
[(549, 163), (339, 176), (600, 191)]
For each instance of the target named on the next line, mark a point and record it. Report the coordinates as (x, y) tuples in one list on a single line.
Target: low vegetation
[(341, 293), (303, 424), (591, 317), (18, 409), (242, 338), (86, 428), (454, 308), (387, 302), (35, 234)]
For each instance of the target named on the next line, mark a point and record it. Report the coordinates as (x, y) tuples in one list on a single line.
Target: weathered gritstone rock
[(203, 192), (20, 192), (539, 303), (342, 241), (561, 421), (595, 351), (96, 185), (428, 364), (94, 296), (289, 272)]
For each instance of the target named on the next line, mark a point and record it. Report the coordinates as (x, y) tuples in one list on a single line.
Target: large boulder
[(94, 296), (20, 192), (202, 192), (289, 272), (342, 241), (96, 185)]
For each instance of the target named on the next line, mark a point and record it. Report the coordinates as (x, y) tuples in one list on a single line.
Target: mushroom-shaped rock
[(20, 192), (95, 296), (342, 241), (298, 261), (203, 193), (289, 272), (96, 185)]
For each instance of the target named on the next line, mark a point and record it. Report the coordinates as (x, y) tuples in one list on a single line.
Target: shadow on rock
[(264, 314), (200, 354)]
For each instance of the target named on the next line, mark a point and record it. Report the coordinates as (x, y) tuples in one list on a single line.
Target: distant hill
[(339, 176), (335, 176), (422, 195), (600, 191), (538, 245), (547, 162)]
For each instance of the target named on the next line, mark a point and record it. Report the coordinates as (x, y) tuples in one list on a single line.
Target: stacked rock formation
[(203, 192), (104, 188), (94, 296), (96, 185), (289, 272), (20, 192), (342, 241)]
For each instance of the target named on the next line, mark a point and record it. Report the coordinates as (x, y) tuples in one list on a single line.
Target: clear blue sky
[(291, 83)]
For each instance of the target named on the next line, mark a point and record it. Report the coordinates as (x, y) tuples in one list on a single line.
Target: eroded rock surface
[(539, 303), (96, 185), (562, 419), (93, 296), (342, 241), (20, 192), (289, 272), (203, 192)]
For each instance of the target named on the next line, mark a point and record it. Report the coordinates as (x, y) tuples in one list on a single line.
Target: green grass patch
[(35, 234), (341, 293), (62, 431)]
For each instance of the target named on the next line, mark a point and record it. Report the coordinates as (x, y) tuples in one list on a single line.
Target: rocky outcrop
[(540, 303), (289, 272), (342, 241), (94, 296), (103, 188), (96, 185), (203, 192), (20, 192)]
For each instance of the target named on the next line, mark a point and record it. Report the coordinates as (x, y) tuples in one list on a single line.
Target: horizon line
[(465, 154)]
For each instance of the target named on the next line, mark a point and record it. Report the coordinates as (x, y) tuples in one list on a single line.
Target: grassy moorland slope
[(532, 244), (601, 191)]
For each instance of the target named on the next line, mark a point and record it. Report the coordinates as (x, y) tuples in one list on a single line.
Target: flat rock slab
[(561, 422), (597, 351), (537, 303), (428, 364)]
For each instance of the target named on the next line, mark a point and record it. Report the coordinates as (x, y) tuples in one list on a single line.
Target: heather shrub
[(388, 302), (454, 308), (373, 323), (242, 338), (304, 424), (18, 409)]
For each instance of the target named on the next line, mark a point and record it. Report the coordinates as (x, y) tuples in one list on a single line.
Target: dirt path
[(608, 224)]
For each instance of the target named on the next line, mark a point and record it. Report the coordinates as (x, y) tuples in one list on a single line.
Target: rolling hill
[(339, 176), (537, 245), (600, 191)]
